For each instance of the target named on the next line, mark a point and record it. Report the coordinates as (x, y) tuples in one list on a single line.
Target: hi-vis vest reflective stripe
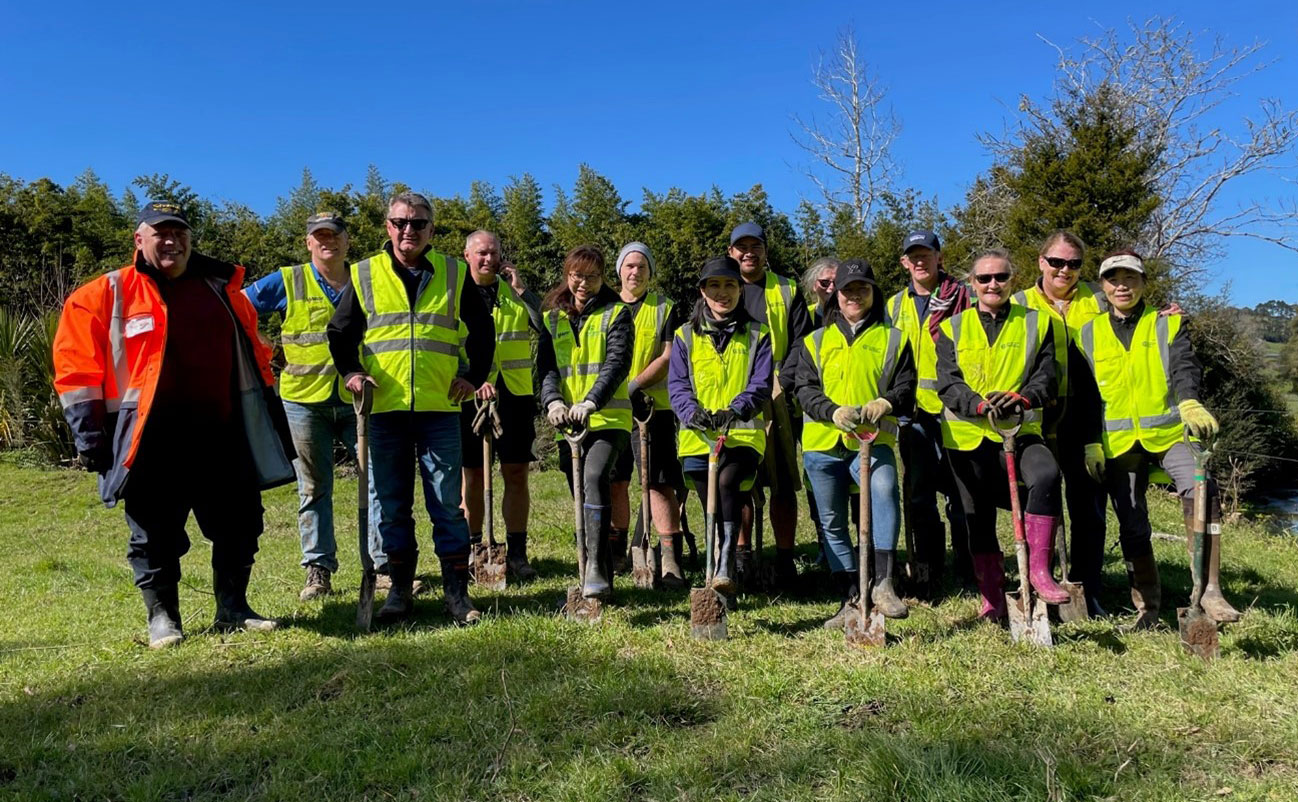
[(513, 360), (649, 321), (411, 353), (716, 380), (1002, 365), (901, 314), (852, 374), (309, 375), (579, 363), (1135, 388), (779, 295), (1087, 304)]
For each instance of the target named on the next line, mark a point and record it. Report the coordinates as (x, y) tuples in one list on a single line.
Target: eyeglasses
[(415, 223), (584, 278), (987, 278), (1059, 263), (824, 283)]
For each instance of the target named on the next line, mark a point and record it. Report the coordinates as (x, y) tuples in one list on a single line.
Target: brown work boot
[(883, 594), (317, 583), (849, 589), (669, 559), (1146, 591), (400, 603), (516, 557), (1213, 602)]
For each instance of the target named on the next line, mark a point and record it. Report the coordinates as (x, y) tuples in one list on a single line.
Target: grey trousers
[(1125, 480)]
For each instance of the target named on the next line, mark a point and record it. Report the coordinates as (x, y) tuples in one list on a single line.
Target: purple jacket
[(745, 405)]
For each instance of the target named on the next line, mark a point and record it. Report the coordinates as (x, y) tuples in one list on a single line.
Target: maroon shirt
[(198, 380)]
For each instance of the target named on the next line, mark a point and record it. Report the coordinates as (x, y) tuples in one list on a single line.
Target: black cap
[(330, 220), (720, 267), (156, 212), (747, 230), (854, 270), (921, 239)]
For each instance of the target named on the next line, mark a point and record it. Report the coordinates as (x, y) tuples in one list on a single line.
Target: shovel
[(577, 606), (1198, 631), (917, 573), (1075, 608), (487, 558), (362, 402), (707, 606), (864, 625), (1028, 618), (644, 560)]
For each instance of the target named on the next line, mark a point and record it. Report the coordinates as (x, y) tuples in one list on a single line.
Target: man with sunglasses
[(399, 328), (1069, 302), (931, 296)]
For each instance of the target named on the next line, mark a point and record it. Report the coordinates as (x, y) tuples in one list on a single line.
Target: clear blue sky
[(236, 98)]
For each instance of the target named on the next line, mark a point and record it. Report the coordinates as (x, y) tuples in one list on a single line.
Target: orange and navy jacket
[(108, 356)]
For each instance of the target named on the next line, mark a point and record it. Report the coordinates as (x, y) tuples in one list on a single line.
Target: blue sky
[(236, 98)]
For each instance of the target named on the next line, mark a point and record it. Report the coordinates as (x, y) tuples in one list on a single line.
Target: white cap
[(1122, 260)]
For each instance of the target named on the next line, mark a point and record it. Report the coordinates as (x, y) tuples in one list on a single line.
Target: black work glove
[(96, 460), (639, 405), (722, 419), (699, 421), (989, 404), (1011, 403)]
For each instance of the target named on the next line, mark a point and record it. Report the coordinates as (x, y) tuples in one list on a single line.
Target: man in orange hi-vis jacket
[(170, 398)]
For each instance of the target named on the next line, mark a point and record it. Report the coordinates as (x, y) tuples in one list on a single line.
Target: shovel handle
[(865, 536), (1198, 551)]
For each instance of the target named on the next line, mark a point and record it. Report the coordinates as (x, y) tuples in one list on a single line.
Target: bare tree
[(1165, 85), (851, 161)]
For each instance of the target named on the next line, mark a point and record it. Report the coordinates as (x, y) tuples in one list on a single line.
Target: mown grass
[(529, 706)]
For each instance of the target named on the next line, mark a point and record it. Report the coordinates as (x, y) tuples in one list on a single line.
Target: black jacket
[(957, 395), (900, 391), (617, 352)]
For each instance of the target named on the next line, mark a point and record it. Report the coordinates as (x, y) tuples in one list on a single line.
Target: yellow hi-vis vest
[(1135, 387), (901, 314), (649, 321), (716, 379), (411, 352), (1002, 365), (1087, 304), (851, 374), (579, 361), (513, 361), (309, 375), (779, 294)]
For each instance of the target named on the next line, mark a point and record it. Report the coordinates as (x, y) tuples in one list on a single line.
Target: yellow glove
[(876, 409), (1094, 461), (1197, 418)]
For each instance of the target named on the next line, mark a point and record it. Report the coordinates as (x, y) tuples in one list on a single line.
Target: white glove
[(847, 418), (557, 413), (876, 409), (578, 414)]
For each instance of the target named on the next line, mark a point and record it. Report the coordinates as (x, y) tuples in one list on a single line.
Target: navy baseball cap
[(854, 270), (747, 230), (330, 220), (720, 267), (921, 239), (156, 212)]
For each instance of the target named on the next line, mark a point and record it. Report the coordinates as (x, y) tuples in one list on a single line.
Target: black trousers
[(1085, 502), (182, 467), (981, 478), (600, 452), (736, 467), (927, 473)]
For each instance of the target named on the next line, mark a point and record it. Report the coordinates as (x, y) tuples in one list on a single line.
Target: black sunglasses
[(1059, 263), (826, 283), (416, 223), (986, 278)]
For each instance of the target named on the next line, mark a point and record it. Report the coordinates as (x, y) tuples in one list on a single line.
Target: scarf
[(950, 299)]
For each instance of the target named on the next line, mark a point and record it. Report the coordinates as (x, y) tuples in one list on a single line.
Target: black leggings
[(600, 452), (737, 466), (983, 483)]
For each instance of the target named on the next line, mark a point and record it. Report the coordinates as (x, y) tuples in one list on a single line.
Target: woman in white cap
[(1144, 386)]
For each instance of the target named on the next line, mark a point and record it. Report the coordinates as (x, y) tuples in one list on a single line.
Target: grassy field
[(529, 706)]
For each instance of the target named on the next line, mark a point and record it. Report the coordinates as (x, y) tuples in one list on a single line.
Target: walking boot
[(596, 583), (621, 563), (883, 594), (455, 586), (724, 579), (516, 556), (669, 559), (1041, 550), (1146, 592), (1213, 602), (163, 606), (232, 611), (400, 603), (989, 569), (317, 583), (786, 572), (744, 564), (849, 589)]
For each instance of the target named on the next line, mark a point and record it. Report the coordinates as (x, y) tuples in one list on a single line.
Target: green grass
[(529, 706)]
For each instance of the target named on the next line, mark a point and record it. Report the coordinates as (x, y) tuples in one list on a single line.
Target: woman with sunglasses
[(997, 359), (818, 286), (852, 374), (1070, 302), (584, 360), (718, 380), (1142, 380)]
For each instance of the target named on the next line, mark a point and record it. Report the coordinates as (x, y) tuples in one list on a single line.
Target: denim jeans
[(315, 428), (831, 473), (397, 441)]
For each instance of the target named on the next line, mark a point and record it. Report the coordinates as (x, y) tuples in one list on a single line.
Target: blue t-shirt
[(267, 293)]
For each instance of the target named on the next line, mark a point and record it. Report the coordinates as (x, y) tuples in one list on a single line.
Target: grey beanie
[(630, 248)]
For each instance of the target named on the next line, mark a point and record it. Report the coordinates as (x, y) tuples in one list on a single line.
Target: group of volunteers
[(170, 395)]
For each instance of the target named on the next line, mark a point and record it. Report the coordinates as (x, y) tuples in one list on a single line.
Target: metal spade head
[(707, 614), (1029, 622), (579, 608), (487, 565), (864, 628), (644, 565), (1198, 632), (1075, 608)]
